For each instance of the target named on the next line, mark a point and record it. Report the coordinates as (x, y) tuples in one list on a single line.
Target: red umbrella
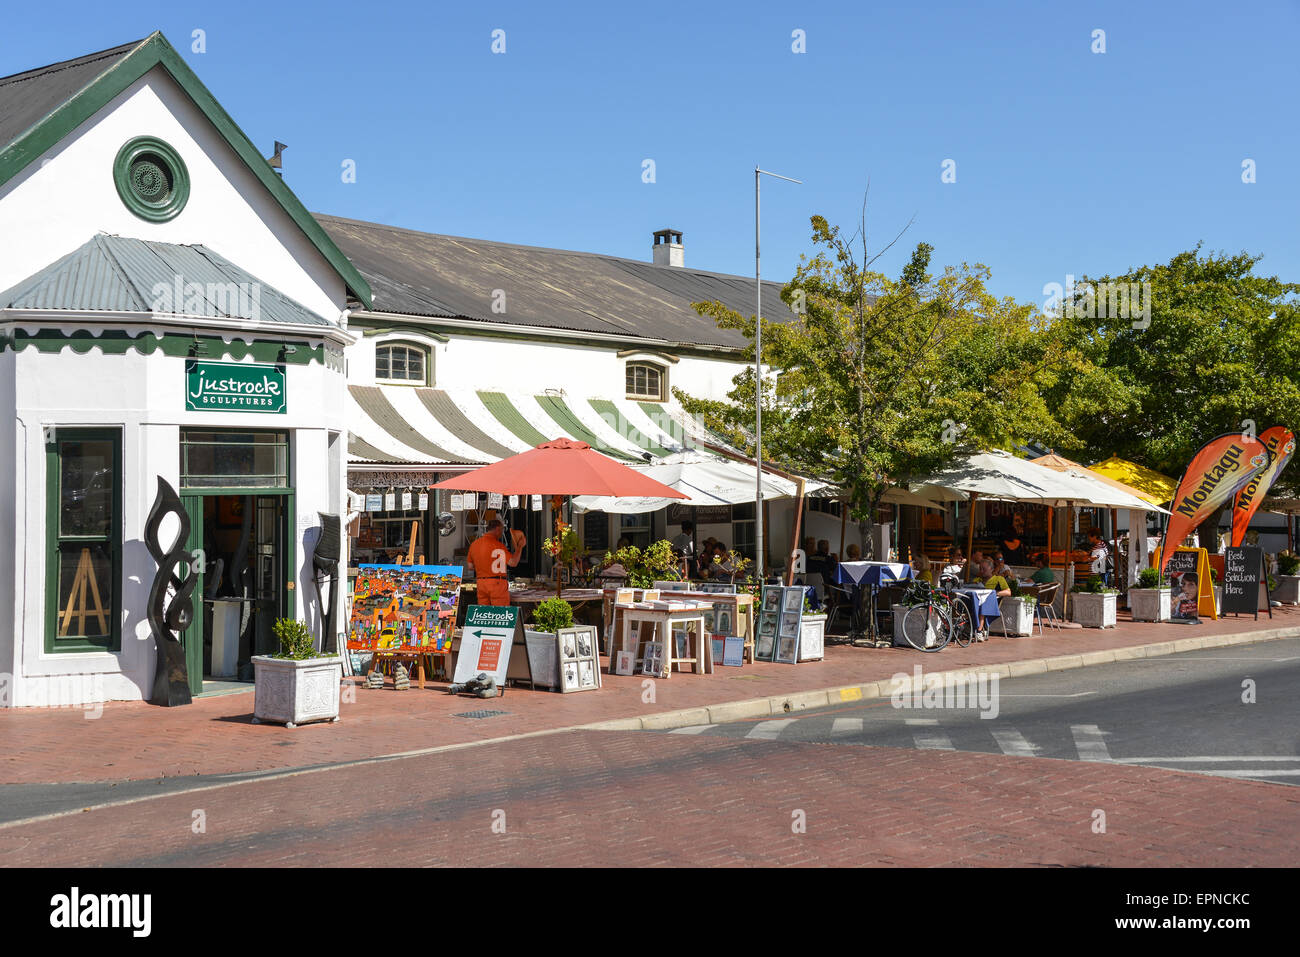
[(556, 468), (560, 467)]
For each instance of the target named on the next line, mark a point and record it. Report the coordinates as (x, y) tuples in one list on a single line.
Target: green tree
[(878, 381), (1217, 349)]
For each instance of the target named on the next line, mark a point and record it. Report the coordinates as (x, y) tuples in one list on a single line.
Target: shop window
[(743, 529), (84, 539), (213, 460), (401, 362), (636, 528), (645, 380)]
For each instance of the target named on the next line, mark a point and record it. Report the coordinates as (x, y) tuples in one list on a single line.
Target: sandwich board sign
[(1245, 586), (486, 642)]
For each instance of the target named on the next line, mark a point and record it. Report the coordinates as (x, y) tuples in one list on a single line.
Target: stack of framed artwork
[(779, 624), (579, 658)]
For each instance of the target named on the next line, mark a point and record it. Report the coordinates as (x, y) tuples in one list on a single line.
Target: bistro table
[(981, 602), (740, 605), (864, 575)]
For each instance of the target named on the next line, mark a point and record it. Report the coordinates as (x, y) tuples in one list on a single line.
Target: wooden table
[(741, 606), (666, 621)]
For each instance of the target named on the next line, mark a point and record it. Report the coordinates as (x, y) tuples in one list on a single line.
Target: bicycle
[(927, 625), (963, 625)]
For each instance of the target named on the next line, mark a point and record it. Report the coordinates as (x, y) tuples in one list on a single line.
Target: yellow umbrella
[(1146, 483)]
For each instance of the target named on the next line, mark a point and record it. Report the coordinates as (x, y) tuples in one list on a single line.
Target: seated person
[(956, 563), (921, 568), (1000, 567), (1044, 575), (1001, 587), (853, 554), (973, 567)]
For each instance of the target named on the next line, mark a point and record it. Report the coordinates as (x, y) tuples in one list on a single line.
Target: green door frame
[(192, 498)]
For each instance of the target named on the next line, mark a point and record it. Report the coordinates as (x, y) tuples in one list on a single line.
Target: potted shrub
[(1017, 611), (1288, 578), (1149, 599), (1093, 605), (540, 638), (299, 684)]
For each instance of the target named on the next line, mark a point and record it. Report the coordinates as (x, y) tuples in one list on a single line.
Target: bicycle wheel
[(963, 629), (927, 627)]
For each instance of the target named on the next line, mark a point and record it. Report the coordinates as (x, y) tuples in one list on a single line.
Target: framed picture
[(708, 621), (787, 649), (789, 626), (682, 644), (569, 676), (793, 600), (568, 646), (719, 643), (625, 663), (772, 598), (722, 618), (650, 594), (767, 624), (733, 651), (586, 674), (764, 645), (652, 662), (624, 596), (585, 645)]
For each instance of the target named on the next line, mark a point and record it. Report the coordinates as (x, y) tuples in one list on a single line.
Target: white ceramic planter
[(1017, 616), (899, 640), (1287, 590), (1094, 611), (812, 638), (1150, 604), (294, 692)]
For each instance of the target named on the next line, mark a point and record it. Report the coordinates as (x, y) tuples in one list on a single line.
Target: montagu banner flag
[(1222, 467), (1281, 445)]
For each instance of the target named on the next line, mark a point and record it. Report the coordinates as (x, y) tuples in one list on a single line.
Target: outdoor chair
[(1044, 608)]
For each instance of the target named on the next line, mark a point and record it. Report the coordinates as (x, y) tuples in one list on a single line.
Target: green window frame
[(83, 556), (151, 179)]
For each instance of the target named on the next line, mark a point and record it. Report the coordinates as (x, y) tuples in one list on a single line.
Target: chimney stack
[(668, 249)]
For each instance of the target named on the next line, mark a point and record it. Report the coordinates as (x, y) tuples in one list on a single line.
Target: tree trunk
[(1207, 533), (865, 528)]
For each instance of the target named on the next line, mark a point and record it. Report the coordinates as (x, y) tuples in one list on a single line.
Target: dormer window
[(403, 363), (646, 380)]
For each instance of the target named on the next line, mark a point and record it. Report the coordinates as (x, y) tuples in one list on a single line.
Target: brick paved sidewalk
[(132, 740), (633, 799)]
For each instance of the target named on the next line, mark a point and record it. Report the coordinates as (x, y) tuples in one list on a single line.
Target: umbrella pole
[(794, 537), (844, 522), (1114, 538), (970, 534), (1051, 516)]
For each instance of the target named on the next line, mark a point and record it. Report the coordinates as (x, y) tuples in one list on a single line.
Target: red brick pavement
[(636, 799), (133, 740)]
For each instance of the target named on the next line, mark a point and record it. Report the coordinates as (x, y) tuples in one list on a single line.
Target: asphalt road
[(1184, 712)]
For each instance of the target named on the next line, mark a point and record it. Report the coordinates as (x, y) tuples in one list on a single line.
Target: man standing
[(1099, 553), (490, 559)]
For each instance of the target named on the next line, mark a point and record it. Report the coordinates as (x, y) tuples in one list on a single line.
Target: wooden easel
[(77, 605)]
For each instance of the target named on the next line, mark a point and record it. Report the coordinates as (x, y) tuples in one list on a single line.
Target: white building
[(168, 309)]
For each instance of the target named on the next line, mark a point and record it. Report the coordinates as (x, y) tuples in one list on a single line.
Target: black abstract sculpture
[(167, 618), (325, 562)]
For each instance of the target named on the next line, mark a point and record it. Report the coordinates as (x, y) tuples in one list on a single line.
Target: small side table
[(666, 622)]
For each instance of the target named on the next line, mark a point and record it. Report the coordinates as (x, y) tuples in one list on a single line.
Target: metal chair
[(1044, 608)]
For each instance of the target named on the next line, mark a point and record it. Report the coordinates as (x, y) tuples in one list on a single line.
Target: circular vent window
[(151, 179)]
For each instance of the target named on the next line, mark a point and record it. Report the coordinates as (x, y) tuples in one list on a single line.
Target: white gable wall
[(67, 196)]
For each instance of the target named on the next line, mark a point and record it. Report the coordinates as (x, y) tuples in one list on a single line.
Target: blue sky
[(1067, 161)]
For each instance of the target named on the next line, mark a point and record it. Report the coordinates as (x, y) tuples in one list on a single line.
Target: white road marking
[(1206, 759), (1013, 743), (922, 721), (770, 730), (691, 729), (1255, 773), (1077, 694), (1089, 742), (846, 726), (932, 741)]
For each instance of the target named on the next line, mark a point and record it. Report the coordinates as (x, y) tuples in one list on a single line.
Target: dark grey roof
[(427, 274), (27, 98), (117, 274)]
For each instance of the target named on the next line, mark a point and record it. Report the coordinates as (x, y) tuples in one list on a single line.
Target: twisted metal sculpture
[(167, 619), (325, 563)]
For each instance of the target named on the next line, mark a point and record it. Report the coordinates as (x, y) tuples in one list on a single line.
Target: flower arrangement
[(564, 545)]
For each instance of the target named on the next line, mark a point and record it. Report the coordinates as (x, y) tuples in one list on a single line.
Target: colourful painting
[(406, 606)]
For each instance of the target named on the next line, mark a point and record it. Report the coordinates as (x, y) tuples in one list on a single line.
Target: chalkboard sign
[(595, 531), (1243, 571)]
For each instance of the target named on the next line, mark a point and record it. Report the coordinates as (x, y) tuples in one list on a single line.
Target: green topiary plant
[(295, 640), (1149, 578), (1288, 563), (552, 615)]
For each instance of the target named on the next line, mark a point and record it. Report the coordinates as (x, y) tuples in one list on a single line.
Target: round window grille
[(151, 179)]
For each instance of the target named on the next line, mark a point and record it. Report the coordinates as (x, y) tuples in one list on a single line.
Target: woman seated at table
[(720, 563), (1000, 567), (921, 568), (853, 554), (1001, 587), (1044, 575)]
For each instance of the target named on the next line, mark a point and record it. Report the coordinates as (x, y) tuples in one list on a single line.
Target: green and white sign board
[(486, 642), (234, 387)]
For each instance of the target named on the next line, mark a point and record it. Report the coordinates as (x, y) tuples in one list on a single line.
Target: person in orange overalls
[(490, 559)]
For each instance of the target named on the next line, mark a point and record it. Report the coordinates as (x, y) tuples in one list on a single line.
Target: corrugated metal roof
[(27, 98), (119, 274), (426, 274)]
